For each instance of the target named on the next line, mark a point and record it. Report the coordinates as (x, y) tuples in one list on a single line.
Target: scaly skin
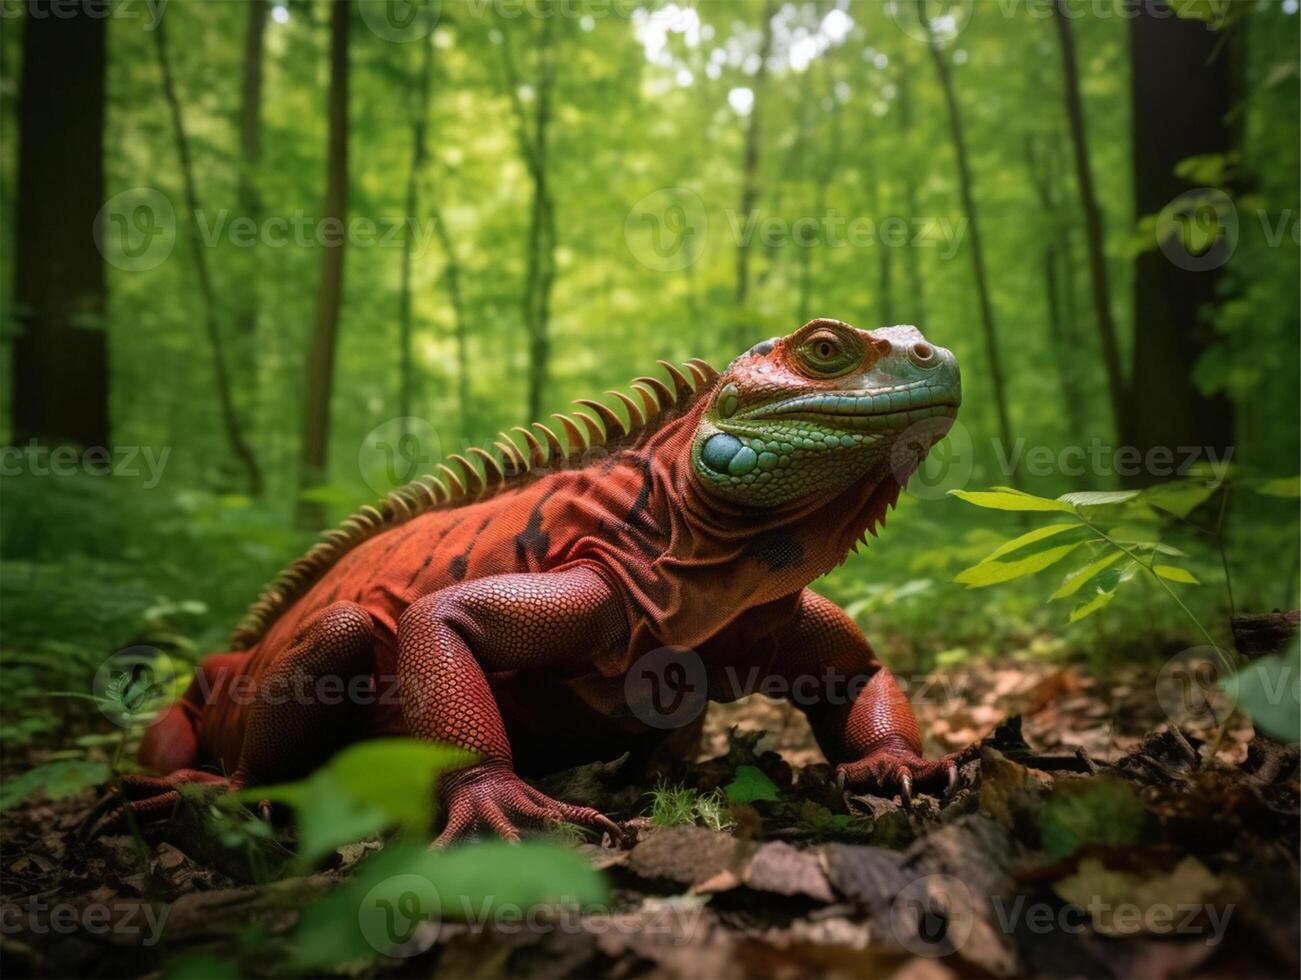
[(508, 626)]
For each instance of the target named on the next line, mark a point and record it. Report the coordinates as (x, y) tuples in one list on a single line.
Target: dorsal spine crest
[(445, 489)]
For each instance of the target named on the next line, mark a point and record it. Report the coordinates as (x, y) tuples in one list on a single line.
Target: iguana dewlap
[(501, 607)]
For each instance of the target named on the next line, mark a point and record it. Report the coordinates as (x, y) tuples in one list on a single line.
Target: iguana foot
[(886, 769), (490, 797), (146, 797)]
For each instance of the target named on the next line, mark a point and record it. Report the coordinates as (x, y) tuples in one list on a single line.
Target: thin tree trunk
[(221, 375), (916, 314), (992, 355), (250, 205), (884, 279), (750, 173), (60, 294), (1093, 234), (541, 243), (419, 126), (314, 456), (452, 278), (1058, 287)]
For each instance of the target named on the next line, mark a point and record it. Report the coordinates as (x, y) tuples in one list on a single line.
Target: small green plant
[(677, 806)]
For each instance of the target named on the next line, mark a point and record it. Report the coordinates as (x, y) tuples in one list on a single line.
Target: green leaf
[(1173, 573), (1088, 608), (381, 906), (1180, 497), (55, 779), (1101, 810), (1269, 691), (995, 572), (1283, 486), (750, 785), (368, 787), (1005, 498), (1030, 537), (1071, 584), (1097, 498)]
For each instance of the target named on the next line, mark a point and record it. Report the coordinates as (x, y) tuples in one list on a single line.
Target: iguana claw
[(490, 797)]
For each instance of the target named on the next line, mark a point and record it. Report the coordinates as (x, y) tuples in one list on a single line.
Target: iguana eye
[(825, 353)]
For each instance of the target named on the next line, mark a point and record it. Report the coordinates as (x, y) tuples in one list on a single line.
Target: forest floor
[(1087, 839)]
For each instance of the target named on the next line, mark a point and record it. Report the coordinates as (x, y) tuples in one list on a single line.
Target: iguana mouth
[(874, 409)]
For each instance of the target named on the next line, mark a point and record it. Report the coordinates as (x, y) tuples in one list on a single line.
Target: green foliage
[(676, 806), (1269, 691), (1100, 810), (368, 787), (63, 777), (1118, 535), (750, 786), (383, 903)]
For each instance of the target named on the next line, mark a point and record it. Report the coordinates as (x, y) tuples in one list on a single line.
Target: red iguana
[(502, 607)]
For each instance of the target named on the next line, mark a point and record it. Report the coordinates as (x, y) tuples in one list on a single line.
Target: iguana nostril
[(922, 354), (719, 450)]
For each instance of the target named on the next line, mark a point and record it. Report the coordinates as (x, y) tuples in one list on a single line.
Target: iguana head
[(822, 409)]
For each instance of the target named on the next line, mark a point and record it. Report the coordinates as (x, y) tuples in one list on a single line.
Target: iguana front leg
[(870, 734), (446, 643)]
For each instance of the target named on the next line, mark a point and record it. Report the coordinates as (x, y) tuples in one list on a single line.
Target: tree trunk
[(239, 446), (992, 355), (1093, 234), (314, 457), (1184, 88), (419, 121), (884, 307), (250, 206), (60, 355), (916, 313), (541, 243), (750, 175)]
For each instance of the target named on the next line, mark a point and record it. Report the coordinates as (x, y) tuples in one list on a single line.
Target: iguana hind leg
[(297, 714), (448, 640)]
